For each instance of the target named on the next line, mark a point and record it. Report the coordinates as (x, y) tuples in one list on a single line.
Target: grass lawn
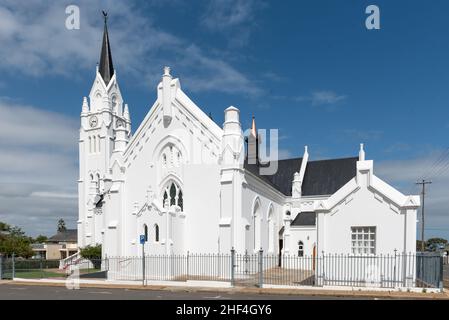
[(36, 274), (90, 270)]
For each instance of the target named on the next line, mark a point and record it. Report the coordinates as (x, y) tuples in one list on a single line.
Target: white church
[(190, 185)]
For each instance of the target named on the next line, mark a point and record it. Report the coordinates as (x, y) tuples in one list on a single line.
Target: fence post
[(394, 270), (13, 267), (188, 269), (1, 266), (233, 267), (40, 266), (143, 265), (260, 268), (441, 284)]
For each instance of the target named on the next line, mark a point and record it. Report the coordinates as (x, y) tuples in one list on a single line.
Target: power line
[(435, 167), (423, 183)]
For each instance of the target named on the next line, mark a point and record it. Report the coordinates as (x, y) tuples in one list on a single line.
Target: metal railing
[(250, 269)]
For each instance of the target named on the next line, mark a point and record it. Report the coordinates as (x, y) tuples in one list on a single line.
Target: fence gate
[(246, 269), (429, 270), (6, 268)]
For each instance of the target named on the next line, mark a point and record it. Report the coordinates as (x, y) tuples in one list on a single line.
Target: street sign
[(142, 239)]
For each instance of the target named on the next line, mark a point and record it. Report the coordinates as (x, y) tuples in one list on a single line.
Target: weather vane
[(105, 15)]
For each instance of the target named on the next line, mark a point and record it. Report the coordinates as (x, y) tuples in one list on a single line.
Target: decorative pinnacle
[(166, 71), (361, 153)]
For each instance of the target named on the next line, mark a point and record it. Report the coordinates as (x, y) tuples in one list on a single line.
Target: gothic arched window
[(165, 197), (180, 200), (172, 194), (156, 233), (300, 249), (145, 232)]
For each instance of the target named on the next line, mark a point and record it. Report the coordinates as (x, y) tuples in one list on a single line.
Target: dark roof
[(304, 219), (70, 235), (106, 68), (328, 176), (323, 177)]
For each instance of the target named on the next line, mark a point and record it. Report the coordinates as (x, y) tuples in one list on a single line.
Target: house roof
[(69, 235), (323, 177), (305, 219)]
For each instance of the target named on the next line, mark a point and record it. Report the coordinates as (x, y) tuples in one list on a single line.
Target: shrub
[(91, 252)]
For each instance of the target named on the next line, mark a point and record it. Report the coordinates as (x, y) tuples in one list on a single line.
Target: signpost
[(142, 242)]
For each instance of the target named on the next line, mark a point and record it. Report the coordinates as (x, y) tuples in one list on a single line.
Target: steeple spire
[(253, 128), (106, 68)]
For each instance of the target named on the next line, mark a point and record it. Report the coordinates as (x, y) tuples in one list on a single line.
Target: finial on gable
[(167, 71), (361, 153), (85, 108)]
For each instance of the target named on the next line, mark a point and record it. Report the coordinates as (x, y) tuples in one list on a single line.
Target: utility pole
[(423, 184)]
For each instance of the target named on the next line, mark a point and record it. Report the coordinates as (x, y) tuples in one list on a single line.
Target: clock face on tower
[(93, 121)]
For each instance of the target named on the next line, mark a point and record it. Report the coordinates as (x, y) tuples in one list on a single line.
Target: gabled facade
[(189, 185)]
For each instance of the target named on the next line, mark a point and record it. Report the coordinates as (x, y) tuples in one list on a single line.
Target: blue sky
[(308, 68)]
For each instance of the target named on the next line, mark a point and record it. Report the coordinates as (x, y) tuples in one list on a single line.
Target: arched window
[(156, 233), (300, 249), (174, 195), (164, 159), (165, 197), (180, 201), (90, 145), (271, 230), (95, 144), (145, 232), (99, 144), (257, 224)]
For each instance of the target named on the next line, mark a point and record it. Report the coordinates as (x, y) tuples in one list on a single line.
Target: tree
[(61, 225), (14, 240), (91, 252), (435, 243), (418, 245), (4, 227), (40, 239)]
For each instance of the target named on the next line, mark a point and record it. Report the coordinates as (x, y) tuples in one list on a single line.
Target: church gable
[(183, 120)]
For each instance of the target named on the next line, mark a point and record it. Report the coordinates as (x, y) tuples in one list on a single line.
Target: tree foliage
[(14, 240), (436, 243), (61, 225), (40, 239), (91, 252)]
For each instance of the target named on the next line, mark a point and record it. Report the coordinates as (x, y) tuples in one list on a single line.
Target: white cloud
[(38, 168), (403, 174), (322, 97), (224, 14), (35, 42)]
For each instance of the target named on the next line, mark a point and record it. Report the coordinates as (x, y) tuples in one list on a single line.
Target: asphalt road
[(24, 292)]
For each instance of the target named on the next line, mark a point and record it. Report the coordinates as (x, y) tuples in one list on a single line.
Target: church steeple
[(106, 68)]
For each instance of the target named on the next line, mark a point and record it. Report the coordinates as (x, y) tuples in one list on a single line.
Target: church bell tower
[(103, 116)]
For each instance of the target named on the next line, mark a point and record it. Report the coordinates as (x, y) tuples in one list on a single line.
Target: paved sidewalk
[(250, 291)]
